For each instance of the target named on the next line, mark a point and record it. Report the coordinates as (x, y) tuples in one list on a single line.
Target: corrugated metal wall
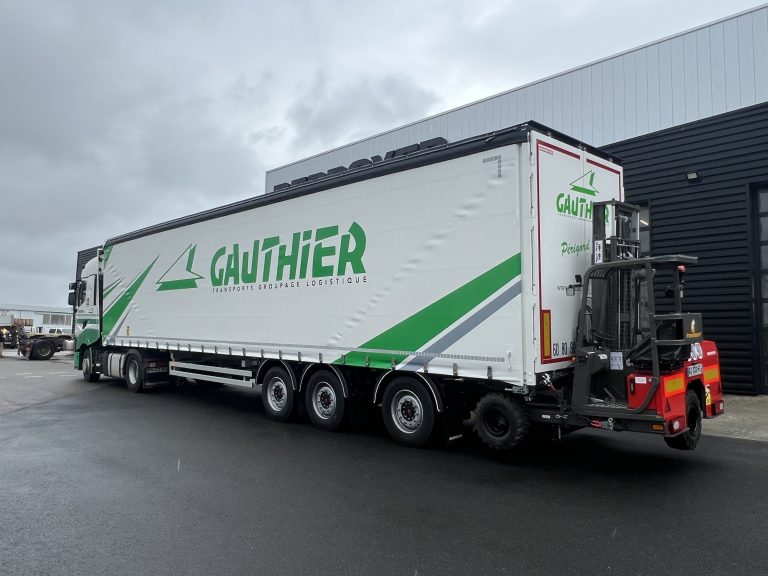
[(710, 219), (716, 68)]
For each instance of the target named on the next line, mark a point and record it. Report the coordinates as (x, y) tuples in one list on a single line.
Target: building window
[(57, 319), (645, 230)]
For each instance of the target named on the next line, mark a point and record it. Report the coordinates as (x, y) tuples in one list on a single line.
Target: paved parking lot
[(96, 480), (24, 383)]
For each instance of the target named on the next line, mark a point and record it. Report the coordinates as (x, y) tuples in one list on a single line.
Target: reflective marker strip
[(674, 385), (712, 375), (546, 334)]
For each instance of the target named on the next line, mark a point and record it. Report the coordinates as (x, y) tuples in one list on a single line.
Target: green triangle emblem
[(585, 184), (180, 274)]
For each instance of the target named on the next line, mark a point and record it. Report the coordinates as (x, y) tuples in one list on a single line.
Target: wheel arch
[(310, 369), (387, 377), (82, 351), (271, 363), (697, 386)]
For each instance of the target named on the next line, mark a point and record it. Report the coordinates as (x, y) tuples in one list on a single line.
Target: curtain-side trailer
[(439, 282)]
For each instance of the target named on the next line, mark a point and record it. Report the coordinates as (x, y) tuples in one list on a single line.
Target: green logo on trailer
[(576, 204), (308, 254), (181, 275)]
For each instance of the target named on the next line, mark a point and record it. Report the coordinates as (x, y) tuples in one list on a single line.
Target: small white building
[(38, 318)]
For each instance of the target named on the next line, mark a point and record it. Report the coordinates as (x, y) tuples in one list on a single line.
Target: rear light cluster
[(675, 426)]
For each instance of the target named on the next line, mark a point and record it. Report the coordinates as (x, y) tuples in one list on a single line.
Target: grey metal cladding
[(716, 68)]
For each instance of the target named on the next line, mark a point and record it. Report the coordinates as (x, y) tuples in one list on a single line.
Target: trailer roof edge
[(496, 139)]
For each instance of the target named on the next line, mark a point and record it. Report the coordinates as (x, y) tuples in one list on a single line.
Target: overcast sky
[(118, 115)]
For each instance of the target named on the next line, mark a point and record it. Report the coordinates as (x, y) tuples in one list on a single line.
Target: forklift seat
[(670, 357)]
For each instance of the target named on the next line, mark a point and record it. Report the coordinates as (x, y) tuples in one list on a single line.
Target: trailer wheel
[(43, 350), (89, 374), (408, 412), (325, 400), (690, 438), (501, 422), (134, 372), (277, 394)]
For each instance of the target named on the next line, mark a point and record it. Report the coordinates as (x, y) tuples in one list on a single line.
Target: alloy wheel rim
[(407, 411), (277, 394), (324, 401)]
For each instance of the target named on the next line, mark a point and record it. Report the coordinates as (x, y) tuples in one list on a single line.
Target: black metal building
[(706, 188)]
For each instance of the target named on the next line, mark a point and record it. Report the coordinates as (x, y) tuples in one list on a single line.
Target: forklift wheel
[(688, 439), (501, 422)]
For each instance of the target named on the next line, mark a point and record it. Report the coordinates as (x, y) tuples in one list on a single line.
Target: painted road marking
[(32, 376)]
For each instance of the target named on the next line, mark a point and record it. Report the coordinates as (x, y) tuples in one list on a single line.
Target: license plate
[(694, 370)]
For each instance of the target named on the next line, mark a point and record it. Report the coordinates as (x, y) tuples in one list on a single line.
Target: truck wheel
[(690, 438), (325, 400), (501, 421), (277, 394), (134, 372), (408, 412), (43, 350), (89, 374)]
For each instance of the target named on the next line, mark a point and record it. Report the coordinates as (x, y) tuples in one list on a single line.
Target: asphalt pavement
[(96, 480)]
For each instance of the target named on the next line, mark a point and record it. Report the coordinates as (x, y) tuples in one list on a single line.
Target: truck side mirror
[(71, 299)]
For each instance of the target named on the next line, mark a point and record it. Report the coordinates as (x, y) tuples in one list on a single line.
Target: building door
[(761, 268)]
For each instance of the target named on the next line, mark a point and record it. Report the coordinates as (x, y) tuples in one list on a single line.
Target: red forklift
[(641, 362)]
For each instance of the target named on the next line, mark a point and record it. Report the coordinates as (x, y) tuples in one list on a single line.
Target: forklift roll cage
[(587, 349)]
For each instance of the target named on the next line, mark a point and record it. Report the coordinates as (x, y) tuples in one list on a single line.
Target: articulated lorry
[(495, 280)]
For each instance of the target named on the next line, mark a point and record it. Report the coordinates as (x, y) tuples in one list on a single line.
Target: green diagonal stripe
[(108, 290), (112, 315), (177, 284), (415, 331)]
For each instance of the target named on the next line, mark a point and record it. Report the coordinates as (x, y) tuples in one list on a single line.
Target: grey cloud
[(116, 116), (326, 115), (185, 150)]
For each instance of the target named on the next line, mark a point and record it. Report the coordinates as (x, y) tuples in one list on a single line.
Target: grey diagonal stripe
[(469, 324)]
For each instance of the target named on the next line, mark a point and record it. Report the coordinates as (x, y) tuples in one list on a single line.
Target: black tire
[(408, 412), (690, 438), (89, 374), (43, 350), (501, 421), (277, 394), (134, 372), (325, 400)]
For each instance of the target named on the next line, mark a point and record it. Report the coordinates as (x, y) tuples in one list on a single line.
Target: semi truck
[(494, 281)]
